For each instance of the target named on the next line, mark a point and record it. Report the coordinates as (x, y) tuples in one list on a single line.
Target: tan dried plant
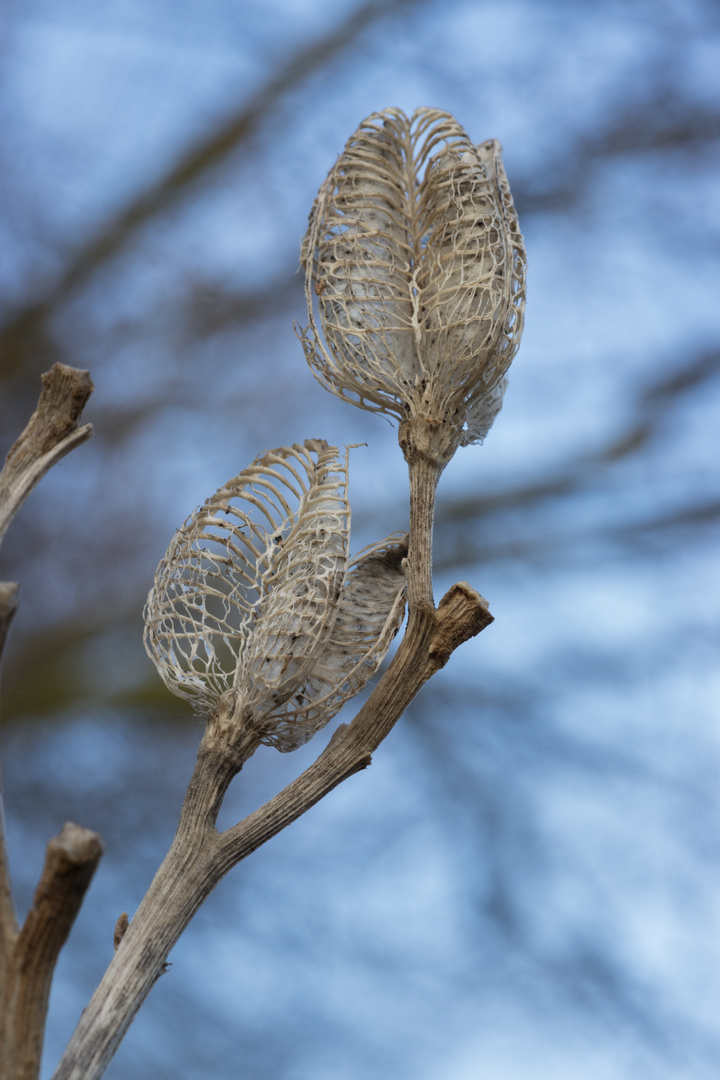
[(416, 263), (257, 614), (256, 607)]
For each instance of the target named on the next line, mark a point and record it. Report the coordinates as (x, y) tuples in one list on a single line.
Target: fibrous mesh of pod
[(415, 261), (249, 592), (370, 611)]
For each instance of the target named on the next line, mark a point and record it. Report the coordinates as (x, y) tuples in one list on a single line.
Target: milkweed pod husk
[(246, 595), (415, 261)]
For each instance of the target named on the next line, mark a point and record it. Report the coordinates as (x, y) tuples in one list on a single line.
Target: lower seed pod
[(256, 598)]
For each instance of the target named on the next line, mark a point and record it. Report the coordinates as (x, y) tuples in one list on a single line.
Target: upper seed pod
[(414, 254), (254, 599)]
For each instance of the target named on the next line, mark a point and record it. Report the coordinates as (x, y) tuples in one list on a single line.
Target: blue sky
[(543, 899)]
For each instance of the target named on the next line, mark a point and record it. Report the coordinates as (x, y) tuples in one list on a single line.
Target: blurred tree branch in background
[(23, 339)]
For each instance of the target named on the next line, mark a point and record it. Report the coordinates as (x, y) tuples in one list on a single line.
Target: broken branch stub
[(51, 433)]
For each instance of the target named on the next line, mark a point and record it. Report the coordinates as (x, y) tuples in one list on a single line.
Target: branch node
[(64, 394), (51, 432), (335, 737), (121, 927)]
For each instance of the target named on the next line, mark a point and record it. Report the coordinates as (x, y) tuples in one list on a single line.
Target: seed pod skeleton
[(256, 607), (415, 256)]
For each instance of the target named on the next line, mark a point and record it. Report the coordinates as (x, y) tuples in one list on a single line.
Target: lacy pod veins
[(415, 261), (257, 601)]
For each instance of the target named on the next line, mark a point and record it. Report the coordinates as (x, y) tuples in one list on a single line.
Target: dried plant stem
[(70, 863), (51, 433), (8, 607), (427, 446), (186, 877), (28, 955), (430, 639), (9, 928), (200, 856), (424, 477)]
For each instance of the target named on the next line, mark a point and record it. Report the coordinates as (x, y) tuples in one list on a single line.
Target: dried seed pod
[(249, 593), (369, 614), (417, 264)]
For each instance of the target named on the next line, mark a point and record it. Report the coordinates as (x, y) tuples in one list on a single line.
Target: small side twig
[(51, 433), (120, 931)]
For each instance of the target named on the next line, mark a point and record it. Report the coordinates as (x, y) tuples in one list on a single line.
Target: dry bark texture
[(51, 433)]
